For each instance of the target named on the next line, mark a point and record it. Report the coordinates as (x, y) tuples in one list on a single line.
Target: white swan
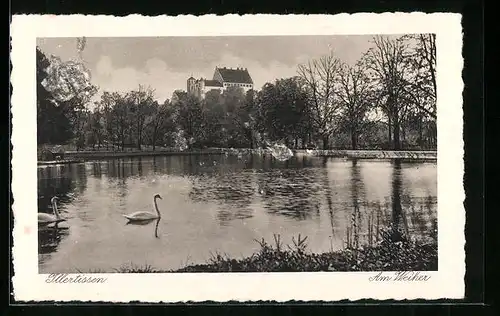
[(45, 219), (145, 216)]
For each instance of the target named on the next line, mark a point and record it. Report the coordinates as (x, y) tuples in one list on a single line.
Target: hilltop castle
[(222, 79)]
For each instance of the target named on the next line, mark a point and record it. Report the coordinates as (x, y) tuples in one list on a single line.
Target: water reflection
[(63, 181), (49, 239), (396, 203), (357, 186), (233, 194), (291, 192), (145, 223), (402, 213), (223, 203)]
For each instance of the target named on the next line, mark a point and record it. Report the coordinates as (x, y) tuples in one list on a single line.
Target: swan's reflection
[(50, 237), (146, 222)]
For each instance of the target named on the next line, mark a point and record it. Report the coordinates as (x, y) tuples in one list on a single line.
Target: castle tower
[(191, 85), (201, 87)]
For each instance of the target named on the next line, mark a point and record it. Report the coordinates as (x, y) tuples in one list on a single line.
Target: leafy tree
[(106, 105), (247, 118), (95, 129), (53, 126), (141, 106), (121, 119), (178, 96), (236, 120), (214, 117), (283, 107), (161, 122), (190, 117), (67, 92)]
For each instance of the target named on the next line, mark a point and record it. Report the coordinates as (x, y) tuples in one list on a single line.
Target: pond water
[(223, 204)]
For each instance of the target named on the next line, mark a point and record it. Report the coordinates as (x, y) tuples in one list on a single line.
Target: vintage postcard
[(242, 158)]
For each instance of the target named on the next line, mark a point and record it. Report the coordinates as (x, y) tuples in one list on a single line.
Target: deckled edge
[(17, 22)]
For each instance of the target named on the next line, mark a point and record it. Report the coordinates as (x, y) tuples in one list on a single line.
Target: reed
[(391, 253)]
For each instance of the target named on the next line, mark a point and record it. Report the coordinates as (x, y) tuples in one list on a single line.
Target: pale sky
[(164, 63)]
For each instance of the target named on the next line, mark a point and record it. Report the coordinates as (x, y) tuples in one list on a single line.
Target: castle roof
[(238, 75), (212, 83)]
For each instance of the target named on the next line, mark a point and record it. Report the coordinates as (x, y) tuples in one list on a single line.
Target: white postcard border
[(448, 282)]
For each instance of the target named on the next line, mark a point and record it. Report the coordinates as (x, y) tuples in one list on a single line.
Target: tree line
[(386, 100)]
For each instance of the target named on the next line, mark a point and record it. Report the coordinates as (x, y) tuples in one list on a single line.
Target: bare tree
[(427, 50), (319, 78), (388, 64), (355, 95), (422, 86)]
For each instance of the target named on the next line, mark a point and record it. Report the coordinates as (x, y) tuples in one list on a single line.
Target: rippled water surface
[(219, 204)]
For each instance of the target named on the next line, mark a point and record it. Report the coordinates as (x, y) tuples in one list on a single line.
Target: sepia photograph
[(237, 154), (192, 155)]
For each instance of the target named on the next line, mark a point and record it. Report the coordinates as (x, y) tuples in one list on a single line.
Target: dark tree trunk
[(389, 123), (130, 142), (403, 133), (139, 136), (397, 143), (354, 139), (325, 141), (108, 139), (420, 132), (123, 139), (250, 136), (434, 135), (153, 138)]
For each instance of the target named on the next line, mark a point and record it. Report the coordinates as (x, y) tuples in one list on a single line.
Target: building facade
[(222, 79)]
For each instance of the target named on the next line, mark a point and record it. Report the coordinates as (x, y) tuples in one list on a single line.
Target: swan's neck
[(156, 207), (56, 211)]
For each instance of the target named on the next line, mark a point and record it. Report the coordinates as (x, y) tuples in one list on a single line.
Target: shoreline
[(58, 162), (386, 255), (82, 156)]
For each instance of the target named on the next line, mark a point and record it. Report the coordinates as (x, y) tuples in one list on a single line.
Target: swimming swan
[(145, 216), (46, 219)]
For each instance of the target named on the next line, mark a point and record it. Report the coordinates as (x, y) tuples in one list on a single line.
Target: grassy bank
[(387, 255)]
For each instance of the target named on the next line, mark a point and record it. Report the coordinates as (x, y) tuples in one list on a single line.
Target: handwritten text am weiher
[(405, 276)]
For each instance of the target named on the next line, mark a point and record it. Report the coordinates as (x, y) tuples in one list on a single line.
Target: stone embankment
[(79, 156)]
